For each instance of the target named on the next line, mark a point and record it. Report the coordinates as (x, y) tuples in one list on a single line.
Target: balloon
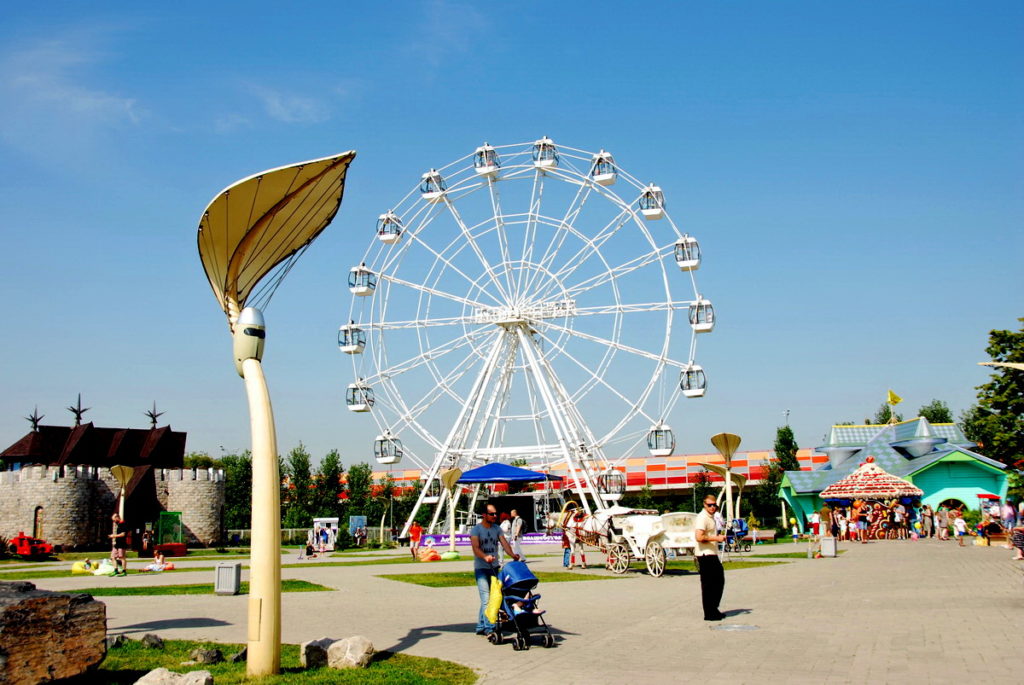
[(792, 522)]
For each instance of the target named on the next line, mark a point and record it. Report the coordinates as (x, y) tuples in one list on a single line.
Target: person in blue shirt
[(485, 537)]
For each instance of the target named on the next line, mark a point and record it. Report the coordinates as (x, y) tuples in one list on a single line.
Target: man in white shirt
[(712, 575)]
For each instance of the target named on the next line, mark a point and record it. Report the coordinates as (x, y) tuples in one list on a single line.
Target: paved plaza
[(883, 612)]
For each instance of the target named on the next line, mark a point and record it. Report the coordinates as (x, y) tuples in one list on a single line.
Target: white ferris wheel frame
[(494, 302)]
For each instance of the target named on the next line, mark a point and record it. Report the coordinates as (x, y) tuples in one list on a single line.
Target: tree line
[(309, 492)]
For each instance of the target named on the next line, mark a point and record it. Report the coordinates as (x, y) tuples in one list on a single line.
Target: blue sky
[(853, 171)]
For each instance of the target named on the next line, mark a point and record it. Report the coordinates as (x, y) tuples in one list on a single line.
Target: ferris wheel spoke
[(590, 247), (499, 226), (447, 262), (530, 232), (471, 241), (634, 405), (631, 308), (618, 271), (615, 345), (419, 323), (430, 354), (430, 291), (560, 231)]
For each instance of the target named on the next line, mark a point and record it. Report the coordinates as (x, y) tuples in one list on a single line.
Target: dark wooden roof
[(92, 446)]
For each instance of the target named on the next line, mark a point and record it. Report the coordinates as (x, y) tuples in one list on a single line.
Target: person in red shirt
[(415, 533)]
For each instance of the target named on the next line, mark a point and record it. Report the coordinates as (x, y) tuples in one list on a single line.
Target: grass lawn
[(200, 589), (466, 578), (43, 573), (127, 664)]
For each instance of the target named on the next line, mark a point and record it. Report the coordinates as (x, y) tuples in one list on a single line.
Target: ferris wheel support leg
[(567, 438)]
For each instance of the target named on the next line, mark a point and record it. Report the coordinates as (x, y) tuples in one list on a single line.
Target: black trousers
[(712, 583)]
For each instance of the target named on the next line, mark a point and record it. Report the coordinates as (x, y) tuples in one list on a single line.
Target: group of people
[(864, 520)]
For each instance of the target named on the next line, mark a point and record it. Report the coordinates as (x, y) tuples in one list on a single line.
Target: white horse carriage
[(625, 534)]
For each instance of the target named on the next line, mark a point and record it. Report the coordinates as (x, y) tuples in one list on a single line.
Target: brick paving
[(926, 612)]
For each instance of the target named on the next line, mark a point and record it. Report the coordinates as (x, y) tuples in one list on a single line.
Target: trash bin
[(828, 547), (228, 579)]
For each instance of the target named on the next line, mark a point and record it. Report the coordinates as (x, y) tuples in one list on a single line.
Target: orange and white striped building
[(675, 473)]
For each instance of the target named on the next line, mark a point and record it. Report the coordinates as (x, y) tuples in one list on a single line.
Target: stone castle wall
[(77, 502)]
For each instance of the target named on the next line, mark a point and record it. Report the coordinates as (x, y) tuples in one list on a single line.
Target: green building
[(934, 457)]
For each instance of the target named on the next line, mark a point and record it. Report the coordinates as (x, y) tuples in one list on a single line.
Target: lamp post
[(255, 227), (726, 444), (450, 480)]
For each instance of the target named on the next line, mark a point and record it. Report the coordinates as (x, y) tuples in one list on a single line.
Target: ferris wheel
[(520, 304)]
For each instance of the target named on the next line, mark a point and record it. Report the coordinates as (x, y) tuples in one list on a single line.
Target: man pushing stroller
[(485, 537)]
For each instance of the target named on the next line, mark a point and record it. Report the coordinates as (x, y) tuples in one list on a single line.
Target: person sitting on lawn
[(158, 564)]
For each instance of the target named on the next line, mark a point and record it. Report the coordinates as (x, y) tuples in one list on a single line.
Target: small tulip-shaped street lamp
[(254, 228)]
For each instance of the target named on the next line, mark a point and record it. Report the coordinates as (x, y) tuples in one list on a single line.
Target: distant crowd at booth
[(899, 519)]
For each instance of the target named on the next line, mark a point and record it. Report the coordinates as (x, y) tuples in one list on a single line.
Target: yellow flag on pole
[(894, 399)]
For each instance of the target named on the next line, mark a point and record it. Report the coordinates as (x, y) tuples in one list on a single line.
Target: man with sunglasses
[(712, 576), (486, 536)]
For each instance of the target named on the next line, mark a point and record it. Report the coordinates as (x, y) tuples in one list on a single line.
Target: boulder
[(48, 635), (162, 676), (152, 641), (352, 652), (206, 656), (115, 641), (313, 654)]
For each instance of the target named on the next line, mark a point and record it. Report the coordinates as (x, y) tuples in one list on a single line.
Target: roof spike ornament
[(153, 415), (77, 410), (35, 418)]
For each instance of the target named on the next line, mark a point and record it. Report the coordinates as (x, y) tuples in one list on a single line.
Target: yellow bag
[(493, 601)]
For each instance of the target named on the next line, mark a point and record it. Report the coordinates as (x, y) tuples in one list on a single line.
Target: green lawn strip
[(127, 664), (466, 578), (200, 589), (66, 573)]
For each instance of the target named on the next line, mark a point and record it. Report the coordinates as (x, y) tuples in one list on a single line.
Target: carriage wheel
[(746, 546), (549, 640), (654, 555), (495, 637), (618, 558)]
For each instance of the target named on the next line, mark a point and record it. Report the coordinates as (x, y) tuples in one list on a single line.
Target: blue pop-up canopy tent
[(503, 473)]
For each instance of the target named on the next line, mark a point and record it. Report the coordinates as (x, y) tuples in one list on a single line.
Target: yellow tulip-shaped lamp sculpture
[(249, 237)]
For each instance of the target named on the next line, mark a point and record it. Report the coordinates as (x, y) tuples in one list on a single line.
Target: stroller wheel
[(549, 640), (494, 638), (519, 644)]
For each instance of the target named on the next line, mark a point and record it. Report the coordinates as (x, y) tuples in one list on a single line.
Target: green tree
[(701, 489), (360, 486), (237, 490), (326, 500), (299, 509), (996, 422), (883, 414), (786, 449), (199, 460), (936, 411)]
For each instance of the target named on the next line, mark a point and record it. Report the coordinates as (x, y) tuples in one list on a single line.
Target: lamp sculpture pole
[(726, 444), (255, 227), (450, 480)]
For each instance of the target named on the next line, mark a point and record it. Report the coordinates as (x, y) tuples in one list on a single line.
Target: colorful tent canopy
[(870, 481)]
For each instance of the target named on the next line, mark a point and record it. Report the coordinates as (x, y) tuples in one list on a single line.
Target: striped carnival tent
[(870, 481)]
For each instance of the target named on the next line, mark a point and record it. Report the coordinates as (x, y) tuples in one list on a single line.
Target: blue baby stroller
[(734, 535), (517, 583)]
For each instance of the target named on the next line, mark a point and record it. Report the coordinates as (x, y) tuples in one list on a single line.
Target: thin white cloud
[(447, 30), (291, 108), (52, 75), (50, 102)]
